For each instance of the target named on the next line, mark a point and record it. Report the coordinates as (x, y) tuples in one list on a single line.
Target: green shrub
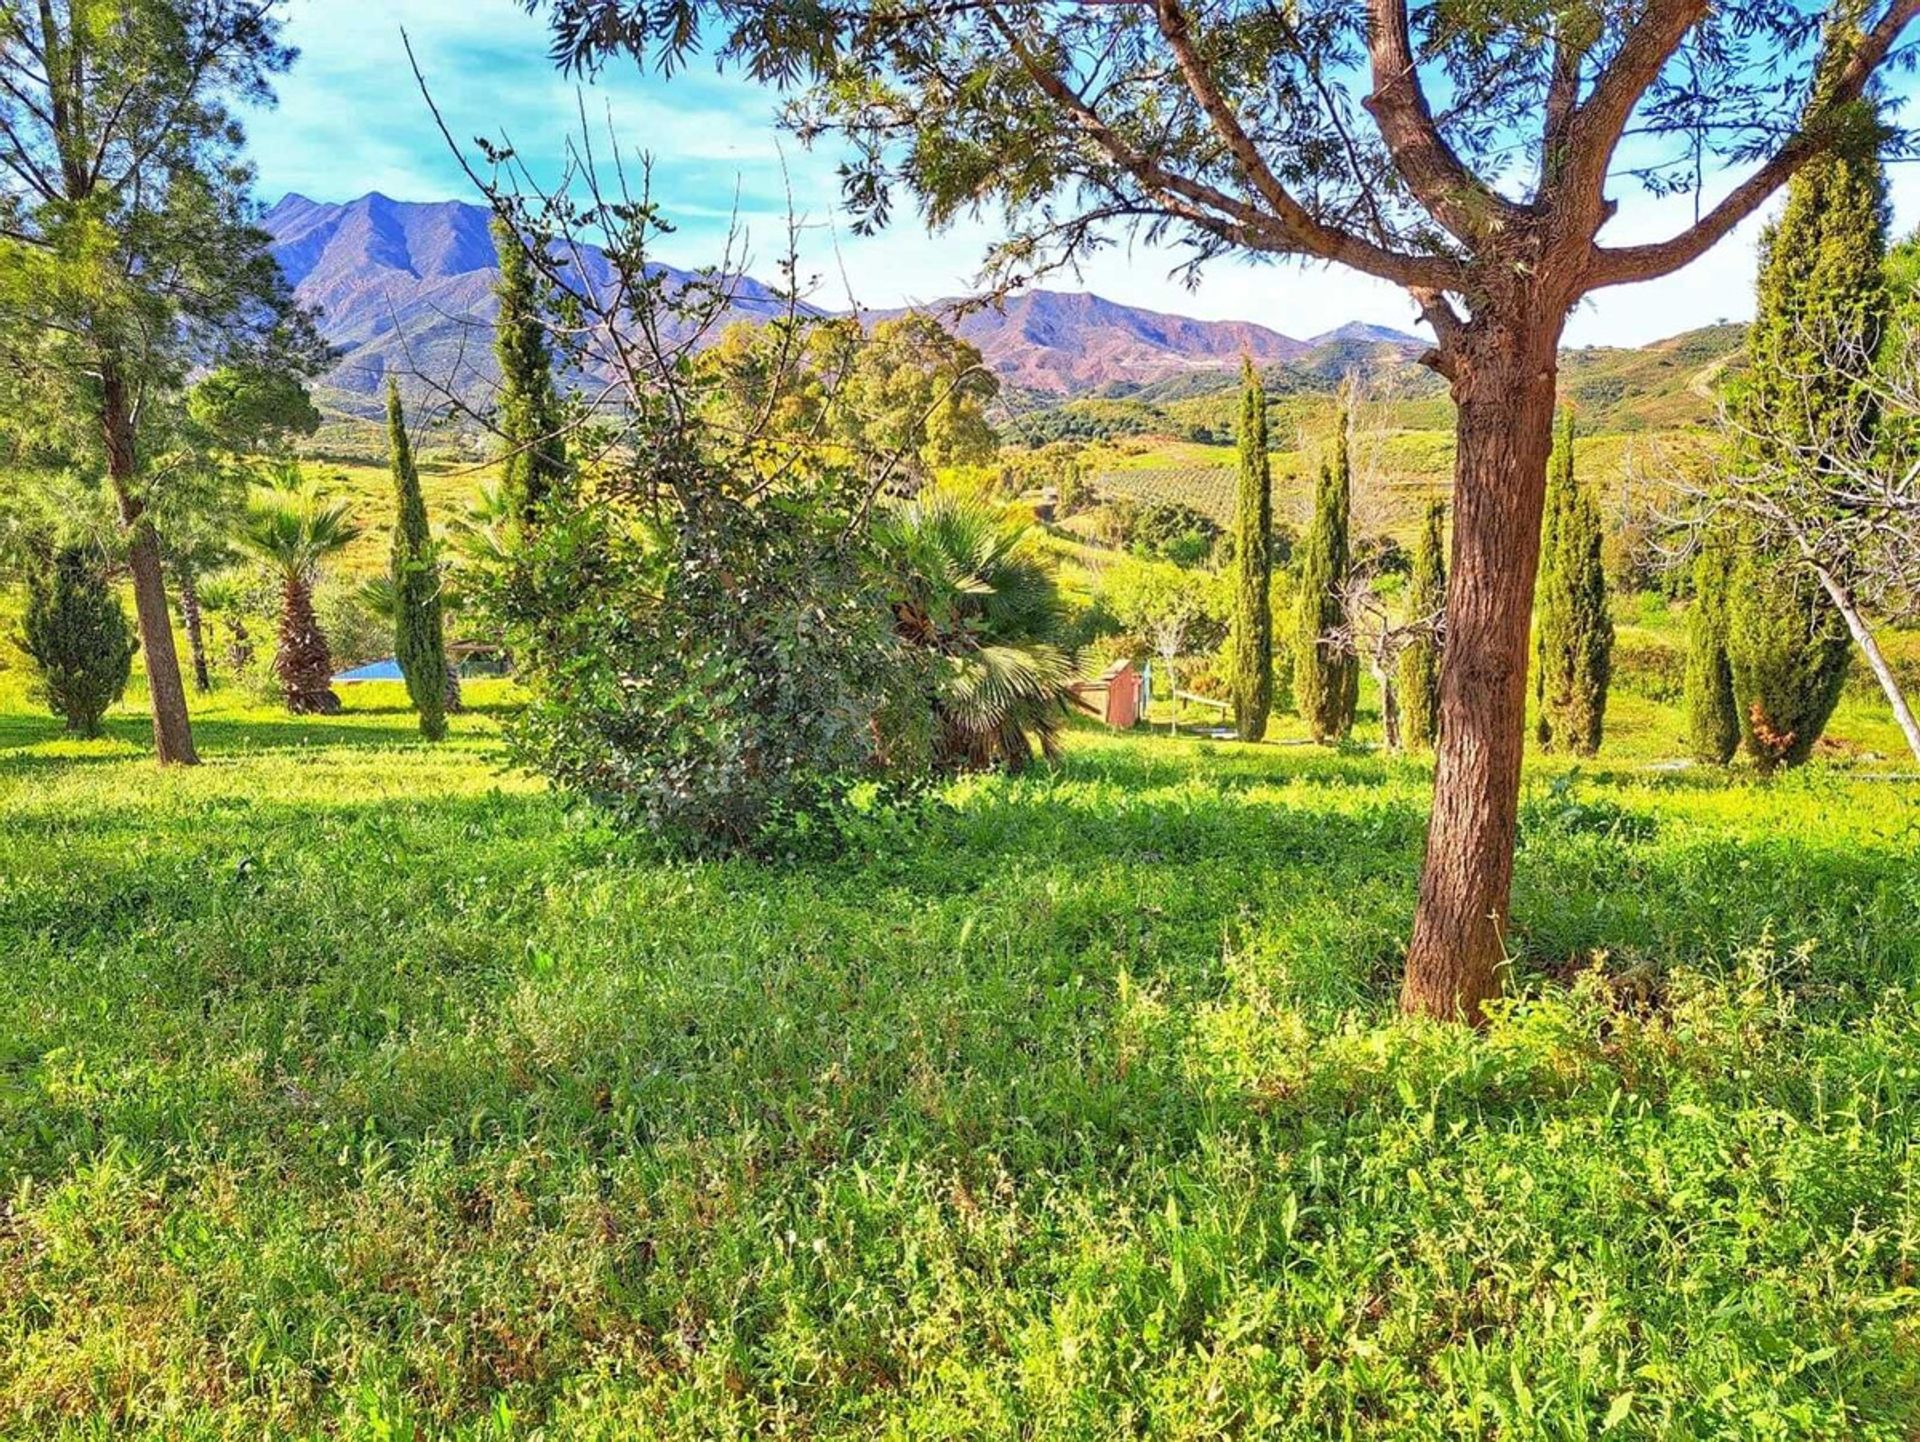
[(78, 637), (1648, 666), (1172, 531)]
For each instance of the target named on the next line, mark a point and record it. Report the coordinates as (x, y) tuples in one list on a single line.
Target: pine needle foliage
[(1252, 661), (1713, 720), (1326, 672), (530, 419), (1420, 662), (78, 637), (1573, 636), (419, 638)]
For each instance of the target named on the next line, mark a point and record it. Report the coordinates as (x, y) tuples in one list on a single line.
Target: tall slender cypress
[(1326, 671), (419, 641), (1573, 638), (1713, 722), (1788, 650), (529, 417), (1821, 308), (1252, 680), (1420, 661)]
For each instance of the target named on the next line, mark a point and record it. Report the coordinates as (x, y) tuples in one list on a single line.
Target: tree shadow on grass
[(219, 737)]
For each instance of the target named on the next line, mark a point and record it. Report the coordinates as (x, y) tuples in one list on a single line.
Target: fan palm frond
[(967, 589)]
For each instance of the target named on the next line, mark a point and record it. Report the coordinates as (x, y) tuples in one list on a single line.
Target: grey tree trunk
[(192, 621), (1863, 637)]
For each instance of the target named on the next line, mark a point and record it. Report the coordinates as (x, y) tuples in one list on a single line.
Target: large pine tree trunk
[(1504, 431), (172, 732), (194, 624)]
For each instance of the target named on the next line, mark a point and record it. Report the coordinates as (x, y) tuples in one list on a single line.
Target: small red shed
[(1116, 697)]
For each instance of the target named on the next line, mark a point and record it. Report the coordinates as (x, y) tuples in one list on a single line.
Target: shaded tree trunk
[(454, 703), (172, 731), (1505, 394), (191, 620), (1863, 637), (304, 662), (240, 647)]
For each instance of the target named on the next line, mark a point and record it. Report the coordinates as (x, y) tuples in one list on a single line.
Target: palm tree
[(292, 531), (968, 592)]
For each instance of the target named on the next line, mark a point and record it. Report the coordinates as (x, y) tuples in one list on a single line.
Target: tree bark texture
[(172, 731), (1505, 394), (304, 662)]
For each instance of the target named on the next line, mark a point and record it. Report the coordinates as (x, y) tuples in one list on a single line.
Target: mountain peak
[(406, 284), (1359, 332)]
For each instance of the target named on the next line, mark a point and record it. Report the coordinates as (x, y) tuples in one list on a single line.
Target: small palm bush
[(969, 596)]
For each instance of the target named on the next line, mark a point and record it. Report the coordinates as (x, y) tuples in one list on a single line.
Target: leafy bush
[(1171, 531), (1650, 667), (714, 677), (356, 630)]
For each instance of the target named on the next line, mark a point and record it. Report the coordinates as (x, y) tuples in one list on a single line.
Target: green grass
[(354, 1087)]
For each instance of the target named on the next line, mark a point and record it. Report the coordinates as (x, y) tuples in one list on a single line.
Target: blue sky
[(350, 120)]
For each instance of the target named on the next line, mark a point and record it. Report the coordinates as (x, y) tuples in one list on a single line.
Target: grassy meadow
[(353, 1087)]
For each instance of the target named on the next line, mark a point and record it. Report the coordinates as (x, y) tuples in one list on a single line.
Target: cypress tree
[(1420, 662), (1713, 722), (79, 639), (1821, 305), (419, 643), (1788, 651), (1326, 674), (1573, 638), (529, 417), (1252, 680)]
